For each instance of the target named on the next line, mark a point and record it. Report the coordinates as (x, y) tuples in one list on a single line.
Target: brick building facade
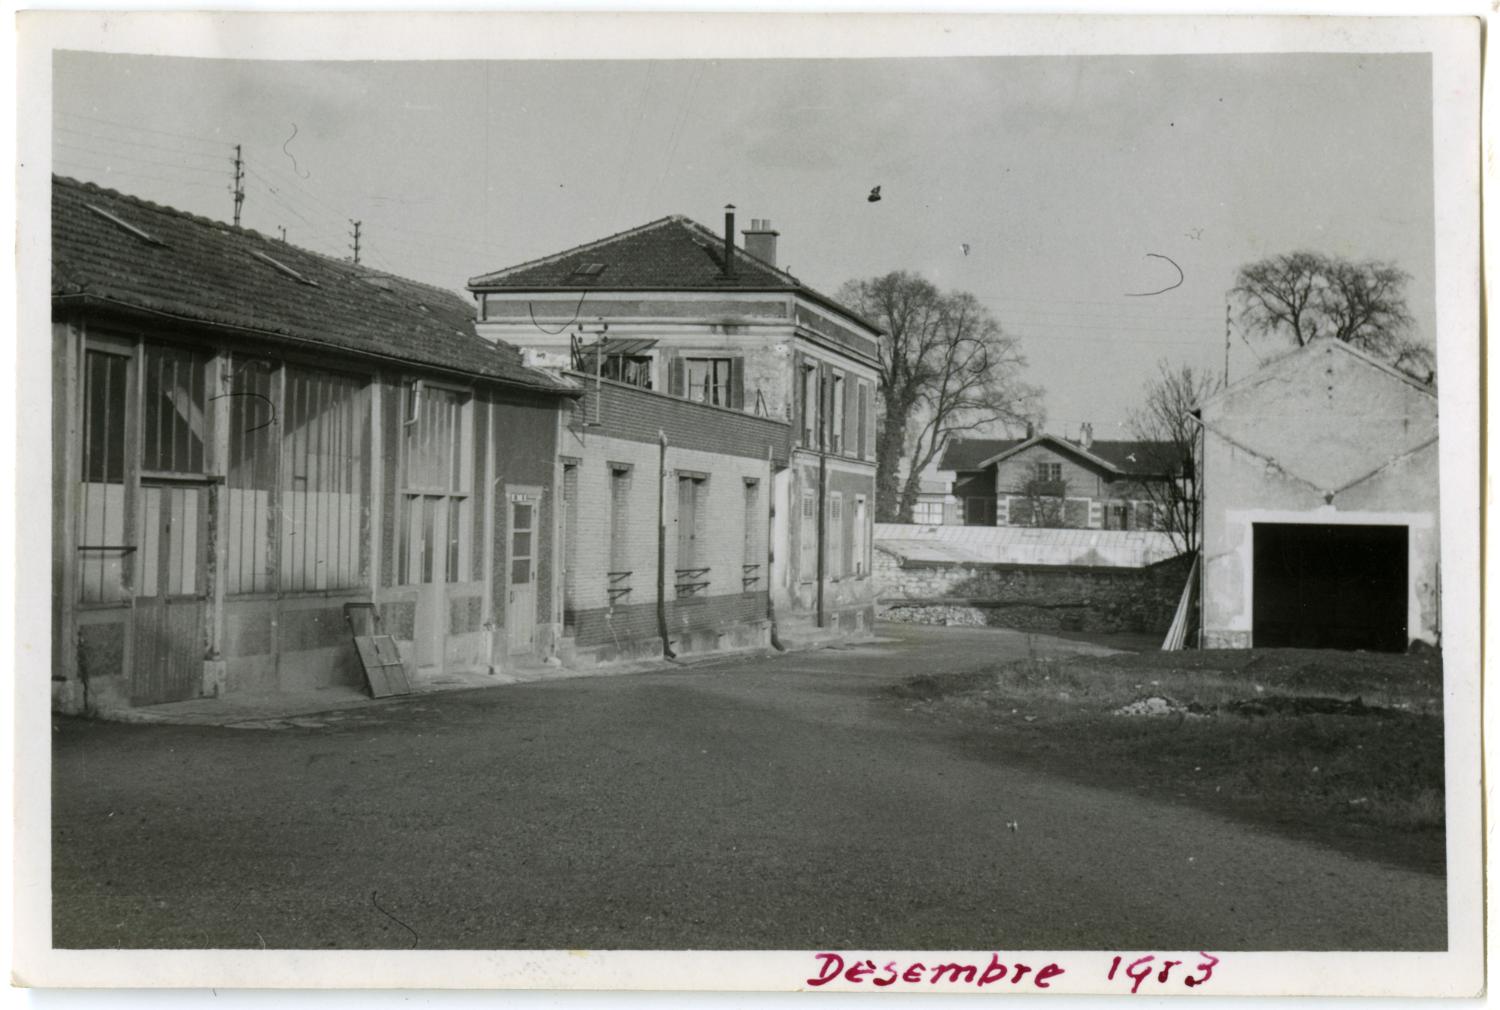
[(675, 309)]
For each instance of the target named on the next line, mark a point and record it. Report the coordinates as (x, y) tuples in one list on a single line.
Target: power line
[(136, 158), (157, 148), (132, 127), (106, 173)]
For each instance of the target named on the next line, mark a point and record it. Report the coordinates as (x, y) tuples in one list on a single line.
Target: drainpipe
[(661, 547), (771, 546), (822, 499)]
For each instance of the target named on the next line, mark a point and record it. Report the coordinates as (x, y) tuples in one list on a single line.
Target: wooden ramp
[(377, 651)]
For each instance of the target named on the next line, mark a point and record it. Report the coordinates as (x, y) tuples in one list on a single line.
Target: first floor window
[(708, 380)]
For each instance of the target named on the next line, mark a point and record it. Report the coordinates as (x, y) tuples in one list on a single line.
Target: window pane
[(174, 399), (250, 476), (325, 488), (102, 574), (520, 572), (428, 546)]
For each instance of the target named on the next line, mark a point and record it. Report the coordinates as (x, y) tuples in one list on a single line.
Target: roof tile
[(208, 272)]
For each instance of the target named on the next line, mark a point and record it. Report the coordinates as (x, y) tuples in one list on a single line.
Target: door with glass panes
[(520, 597)]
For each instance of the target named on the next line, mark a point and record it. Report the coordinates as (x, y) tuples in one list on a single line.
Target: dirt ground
[(1342, 747)]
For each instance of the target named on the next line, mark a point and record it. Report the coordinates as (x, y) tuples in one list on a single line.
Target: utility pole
[(239, 184), (1226, 343), (356, 238)]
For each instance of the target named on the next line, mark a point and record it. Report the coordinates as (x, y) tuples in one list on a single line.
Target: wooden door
[(520, 608), (171, 592), (427, 569)]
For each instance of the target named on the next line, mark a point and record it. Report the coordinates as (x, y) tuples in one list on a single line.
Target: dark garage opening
[(1330, 587)]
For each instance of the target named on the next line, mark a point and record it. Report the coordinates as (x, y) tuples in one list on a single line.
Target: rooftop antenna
[(356, 238), (239, 184)]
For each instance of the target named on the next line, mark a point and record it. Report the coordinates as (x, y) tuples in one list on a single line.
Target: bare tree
[(1304, 295), (1174, 450), (1039, 501), (946, 367)]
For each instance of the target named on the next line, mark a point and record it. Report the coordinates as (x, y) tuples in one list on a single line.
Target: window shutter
[(737, 383), (676, 376), (869, 452), (850, 420), (825, 407)]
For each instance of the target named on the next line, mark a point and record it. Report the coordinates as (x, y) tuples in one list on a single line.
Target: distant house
[(678, 332), (1320, 513), (1048, 481), (248, 435)]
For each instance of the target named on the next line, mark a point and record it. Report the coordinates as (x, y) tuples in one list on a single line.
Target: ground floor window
[(928, 513)]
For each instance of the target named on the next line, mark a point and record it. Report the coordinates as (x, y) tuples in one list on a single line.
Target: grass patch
[(1346, 748)]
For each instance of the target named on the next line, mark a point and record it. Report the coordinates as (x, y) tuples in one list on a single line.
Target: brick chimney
[(1086, 435), (729, 240), (760, 240)]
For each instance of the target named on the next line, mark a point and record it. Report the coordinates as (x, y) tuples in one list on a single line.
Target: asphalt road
[(773, 803)]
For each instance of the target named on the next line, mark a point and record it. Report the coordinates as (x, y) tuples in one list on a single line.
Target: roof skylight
[(294, 275), (125, 225)]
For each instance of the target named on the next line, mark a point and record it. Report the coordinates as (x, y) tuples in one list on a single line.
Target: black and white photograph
[(856, 503)]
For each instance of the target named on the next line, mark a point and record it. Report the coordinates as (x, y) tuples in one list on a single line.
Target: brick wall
[(1032, 597), (625, 412)]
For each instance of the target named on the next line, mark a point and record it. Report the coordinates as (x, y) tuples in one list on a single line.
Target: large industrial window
[(325, 485), (175, 419), (435, 526), (104, 555), (250, 477)]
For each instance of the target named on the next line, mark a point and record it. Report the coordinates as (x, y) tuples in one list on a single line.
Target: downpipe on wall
[(661, 547)]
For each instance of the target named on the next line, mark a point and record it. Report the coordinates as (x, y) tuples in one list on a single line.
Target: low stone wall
[(1030, 597)]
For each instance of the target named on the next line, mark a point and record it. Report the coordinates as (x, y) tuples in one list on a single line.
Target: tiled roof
[(968, 453), (669, 254), (1134, 457), (122, 252)]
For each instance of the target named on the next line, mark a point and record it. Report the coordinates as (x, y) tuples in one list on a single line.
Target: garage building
[(1320, 516)]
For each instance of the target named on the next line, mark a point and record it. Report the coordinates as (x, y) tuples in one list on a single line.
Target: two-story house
[(1049, 481), (682, 315)]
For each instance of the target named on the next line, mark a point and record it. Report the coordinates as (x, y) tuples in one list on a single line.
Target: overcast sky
[(1060, 174)]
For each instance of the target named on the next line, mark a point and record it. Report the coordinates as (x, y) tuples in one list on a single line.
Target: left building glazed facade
[(248, 435)]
